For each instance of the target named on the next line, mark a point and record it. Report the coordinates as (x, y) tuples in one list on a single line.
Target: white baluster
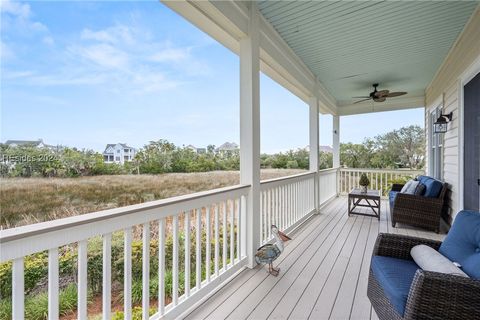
[(217, 240), (238, 228), (127, 280), (82, 280), (107, 276), (175, 262), (269, 213), (208, 256), (18, 289), (232, 231), (53, 312), (146, 271), (224, 253), (187, 253), (199, 250), (161, 266)]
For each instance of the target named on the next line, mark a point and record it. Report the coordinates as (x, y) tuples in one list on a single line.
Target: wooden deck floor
[(324, 272)]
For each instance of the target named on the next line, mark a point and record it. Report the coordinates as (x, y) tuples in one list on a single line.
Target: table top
[(370, 193)]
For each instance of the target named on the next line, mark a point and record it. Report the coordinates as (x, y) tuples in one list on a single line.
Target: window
[(118, 151), (436, 146), (117, 158), (126, 150)]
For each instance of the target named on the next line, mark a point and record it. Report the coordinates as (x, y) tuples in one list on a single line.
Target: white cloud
[(20, 15), (48, 40), (103, 55), (171, 55), (6, 53), (17, 74), (15, 8), (114, 35), (123, 58)]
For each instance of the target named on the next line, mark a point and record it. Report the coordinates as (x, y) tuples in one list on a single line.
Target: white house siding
[(446, 89)]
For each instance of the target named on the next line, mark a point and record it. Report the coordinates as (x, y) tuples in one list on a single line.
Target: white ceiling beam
[(225, 22), (389, 105)]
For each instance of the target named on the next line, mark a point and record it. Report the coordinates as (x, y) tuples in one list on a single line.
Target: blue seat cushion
[(391, 198), (395, 276), (433, 187), (462, 243)]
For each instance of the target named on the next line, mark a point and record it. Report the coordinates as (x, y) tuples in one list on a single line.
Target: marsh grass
[(26, 201)]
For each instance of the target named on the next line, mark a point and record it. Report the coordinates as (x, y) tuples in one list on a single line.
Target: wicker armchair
[(431, 295), (418, 211)]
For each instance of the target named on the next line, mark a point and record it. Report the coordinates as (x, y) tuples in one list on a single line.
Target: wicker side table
[(370, 199)]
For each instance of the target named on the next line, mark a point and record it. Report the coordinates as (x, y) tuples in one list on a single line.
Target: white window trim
[(436, 145)]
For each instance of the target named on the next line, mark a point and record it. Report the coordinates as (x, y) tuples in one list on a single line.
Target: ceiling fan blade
[(395, 94), (381, 93), (362, 100), (362, 97), (380, 99)]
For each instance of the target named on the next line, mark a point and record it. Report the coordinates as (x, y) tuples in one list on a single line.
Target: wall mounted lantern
[(440, 126)]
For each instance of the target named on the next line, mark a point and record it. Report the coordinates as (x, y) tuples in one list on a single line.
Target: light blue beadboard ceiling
[(349, 45)]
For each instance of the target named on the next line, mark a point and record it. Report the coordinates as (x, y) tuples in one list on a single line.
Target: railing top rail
[(406, 171), (324, 171), (299, 176), (23, 232)]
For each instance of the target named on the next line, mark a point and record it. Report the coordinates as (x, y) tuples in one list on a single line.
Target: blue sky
[(90, 73)]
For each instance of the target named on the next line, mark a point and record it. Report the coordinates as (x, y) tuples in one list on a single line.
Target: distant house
[(26, 143), (196, 150), (118, 153), (31, 143), (326, 149), (228, 148)]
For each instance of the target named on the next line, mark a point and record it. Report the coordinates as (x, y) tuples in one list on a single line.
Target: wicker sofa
[(423, 210), (399, 289)]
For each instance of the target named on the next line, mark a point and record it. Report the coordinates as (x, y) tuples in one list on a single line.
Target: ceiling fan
[(379, 96)]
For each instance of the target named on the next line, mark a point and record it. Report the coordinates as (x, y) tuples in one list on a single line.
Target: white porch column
[(336, 148), (250, 130), (336, 141), (314, 146)]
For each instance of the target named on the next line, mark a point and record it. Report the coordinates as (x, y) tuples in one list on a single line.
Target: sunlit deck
[(324, 272)]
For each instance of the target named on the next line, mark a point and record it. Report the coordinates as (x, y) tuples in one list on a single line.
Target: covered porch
[(324, 272), (206, 242)]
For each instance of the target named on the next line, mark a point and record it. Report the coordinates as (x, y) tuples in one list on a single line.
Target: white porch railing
[(285, 202), (212, 222), (380, 179), (327, 181), (217, 214)]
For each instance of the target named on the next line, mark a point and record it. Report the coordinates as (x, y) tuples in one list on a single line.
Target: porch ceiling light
[(440, 126)]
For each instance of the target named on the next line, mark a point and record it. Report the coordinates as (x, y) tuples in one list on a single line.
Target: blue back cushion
[(395, 276), (433, 187), (462, 243), (391, 198)]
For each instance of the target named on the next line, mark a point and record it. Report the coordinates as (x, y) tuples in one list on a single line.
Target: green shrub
[(5, 309), (36, 307), (136, 314)]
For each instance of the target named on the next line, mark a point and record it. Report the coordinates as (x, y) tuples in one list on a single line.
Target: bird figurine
[(271, 251)]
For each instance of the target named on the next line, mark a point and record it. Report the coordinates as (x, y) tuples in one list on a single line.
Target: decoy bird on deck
[(271, 251)]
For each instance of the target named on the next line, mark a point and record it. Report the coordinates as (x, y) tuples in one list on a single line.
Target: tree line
[(402, 148)]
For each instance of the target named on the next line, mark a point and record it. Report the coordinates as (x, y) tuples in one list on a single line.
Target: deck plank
[(346, 294), (291, 253), (301, 272), (332, 290), (309, 297), (288, 273), (324, 272)]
